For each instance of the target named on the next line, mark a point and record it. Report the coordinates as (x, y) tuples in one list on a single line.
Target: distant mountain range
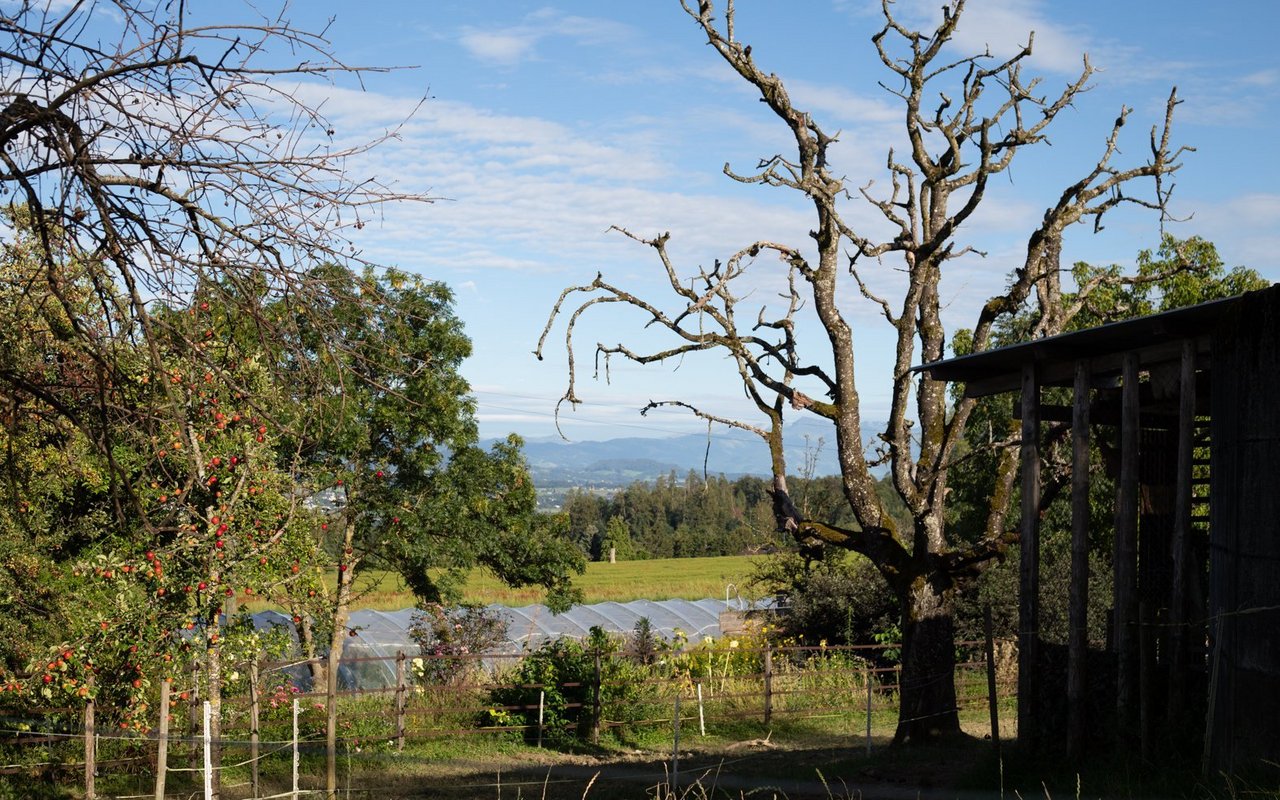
[(556, 463)]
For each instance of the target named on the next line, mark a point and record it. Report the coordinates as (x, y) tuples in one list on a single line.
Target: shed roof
[(1155, 338)]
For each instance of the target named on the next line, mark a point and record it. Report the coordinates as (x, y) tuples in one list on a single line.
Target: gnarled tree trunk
[(927, 706)]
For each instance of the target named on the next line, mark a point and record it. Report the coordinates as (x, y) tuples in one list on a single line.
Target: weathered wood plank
[(1029, 570), (1078, 623), (1125, 560)]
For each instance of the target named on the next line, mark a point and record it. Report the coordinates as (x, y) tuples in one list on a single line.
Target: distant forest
[(673, 517)]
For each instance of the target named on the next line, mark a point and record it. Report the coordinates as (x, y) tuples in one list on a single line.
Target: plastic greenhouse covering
[(383, 634)]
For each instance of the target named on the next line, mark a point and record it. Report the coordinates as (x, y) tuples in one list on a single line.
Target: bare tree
[(967, 118), (159, 155)]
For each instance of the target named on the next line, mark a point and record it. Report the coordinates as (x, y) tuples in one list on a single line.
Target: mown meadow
[(654, 579)]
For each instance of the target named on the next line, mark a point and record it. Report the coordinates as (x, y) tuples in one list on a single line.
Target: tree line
[(697, 515)]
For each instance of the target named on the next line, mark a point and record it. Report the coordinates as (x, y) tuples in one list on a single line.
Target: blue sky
[(547, 122)]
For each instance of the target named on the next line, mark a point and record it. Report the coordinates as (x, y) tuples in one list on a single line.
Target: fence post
[(675, 748), (254, 711), (596, 711), (702, 720), (768, 683), (992, 703), (90, 743), (1146, 678), (162, 739), (193, 715), (542, 704), (401, 691), (208, 753), (331, 727), (295, 749), (869, 676)]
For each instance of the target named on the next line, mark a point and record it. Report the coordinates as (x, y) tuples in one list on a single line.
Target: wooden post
[(596, 710), (702, 720), (869, 678), (542, 705), (207, 738), (254, 712), (331, 727), (675, 748), (162, 739), (193, 716), (1215, 663), (1125, 558), (1182, 529), (90, 743), (993, 705), (1029, 569), (296, 758), (768, 683), (1146, 677), (401, 697), (1078, 623)]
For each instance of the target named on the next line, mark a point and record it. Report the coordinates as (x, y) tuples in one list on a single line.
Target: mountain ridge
[(618, 462)]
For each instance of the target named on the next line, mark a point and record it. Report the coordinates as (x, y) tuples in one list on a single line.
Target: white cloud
[(842, 105), (1245, 228), (514, 44), (506, 49), (1265, 78)]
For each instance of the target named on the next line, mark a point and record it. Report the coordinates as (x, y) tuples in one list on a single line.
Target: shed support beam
[(1125, 559), (1182, 529), (1078, 638), (1029, 570)]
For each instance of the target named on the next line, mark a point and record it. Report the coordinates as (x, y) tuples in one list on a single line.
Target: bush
[(451, 639), (565, 671), (841, 599)]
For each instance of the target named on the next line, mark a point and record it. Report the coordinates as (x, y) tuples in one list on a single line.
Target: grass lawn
[(658, 579)]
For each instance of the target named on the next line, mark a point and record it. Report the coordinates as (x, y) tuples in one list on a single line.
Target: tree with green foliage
[(381, 429), (615, 543)]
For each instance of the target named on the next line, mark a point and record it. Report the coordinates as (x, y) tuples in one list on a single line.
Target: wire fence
[(269, 724)]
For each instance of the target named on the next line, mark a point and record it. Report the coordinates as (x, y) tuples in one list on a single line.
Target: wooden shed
[(1190, 402)]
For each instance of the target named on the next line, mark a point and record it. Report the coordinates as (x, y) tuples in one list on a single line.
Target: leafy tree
[(616, 542), (966, 120), (381, 429)]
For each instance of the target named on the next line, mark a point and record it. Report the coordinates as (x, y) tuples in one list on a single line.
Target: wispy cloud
[(507, 48), (511, 45), (1265, 78)]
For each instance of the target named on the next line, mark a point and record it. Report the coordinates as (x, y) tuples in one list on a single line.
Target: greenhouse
[(369, 656)]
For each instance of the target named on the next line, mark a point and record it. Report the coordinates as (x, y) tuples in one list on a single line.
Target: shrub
[(565, 671), (451, 639)]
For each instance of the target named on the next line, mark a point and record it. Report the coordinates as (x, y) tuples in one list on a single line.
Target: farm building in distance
[(1192, 401)]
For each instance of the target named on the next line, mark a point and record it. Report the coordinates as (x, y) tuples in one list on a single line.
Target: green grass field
[(659, 579)]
